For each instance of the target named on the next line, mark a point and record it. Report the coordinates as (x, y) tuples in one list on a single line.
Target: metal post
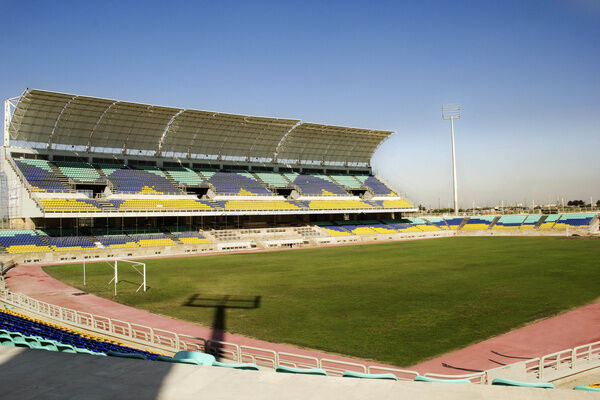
[(144, 277), (83, 272), (452, 112), (454, 168), (116, 278)]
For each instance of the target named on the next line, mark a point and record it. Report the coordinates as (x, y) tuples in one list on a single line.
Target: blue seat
[(244, 366), (304, 371), (352, 374), (509, 382), (420, 378)]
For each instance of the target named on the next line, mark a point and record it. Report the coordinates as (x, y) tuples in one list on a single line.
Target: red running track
[(567, 330)]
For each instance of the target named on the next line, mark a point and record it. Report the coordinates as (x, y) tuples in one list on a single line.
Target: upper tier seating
[(23, 241), (438, 221), (549, 221), (79, 171), (259, 205), (393, 203), (146, 180), (375, 185), (574, 221), (531, 221), (454, 223), (40, 333), (337, 204), (235, 183), (185, 176), (273, 179), (348, 181), (477, 223), (509, 222), (40, 176), (161, 205), (332, 229), (70, 205), (316, 184)]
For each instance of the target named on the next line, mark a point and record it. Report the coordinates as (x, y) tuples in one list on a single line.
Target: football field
[(397, 303)]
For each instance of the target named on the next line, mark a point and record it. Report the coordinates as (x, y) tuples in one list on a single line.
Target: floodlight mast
[(452, 112)]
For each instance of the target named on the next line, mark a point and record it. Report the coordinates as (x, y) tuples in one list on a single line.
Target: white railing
[(549, 367), (172, 342)]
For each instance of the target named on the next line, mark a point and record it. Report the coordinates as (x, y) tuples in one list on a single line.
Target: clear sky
[(526, 72)]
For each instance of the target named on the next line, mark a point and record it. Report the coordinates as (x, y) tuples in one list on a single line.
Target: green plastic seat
[(361, 375), (303, 371), (509, 382), (244, 366), (420, 378), (65, 348), (195, 357), (21, 342), (587, 388), (7, 343), (126, 355)]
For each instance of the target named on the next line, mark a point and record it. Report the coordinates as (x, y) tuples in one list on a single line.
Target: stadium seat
[(235, 183), (478, 223), (316, 184), (573, 221), (454, 223), (509, 382), (376, 186), (360, 375), (509, 222), (587, 388), (420, 378), (70, 205), (549, 221), (438, 221), (195, 357), (531, 221), (40, 176), (303, 371)]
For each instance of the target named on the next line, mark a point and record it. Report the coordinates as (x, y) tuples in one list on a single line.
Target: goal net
[(120, 270)]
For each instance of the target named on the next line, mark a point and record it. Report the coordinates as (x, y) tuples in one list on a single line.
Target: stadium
[(251, 245)]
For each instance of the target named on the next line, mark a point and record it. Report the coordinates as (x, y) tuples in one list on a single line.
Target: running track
[(567, 330)]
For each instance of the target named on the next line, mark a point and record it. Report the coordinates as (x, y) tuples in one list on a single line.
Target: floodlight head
[(451, 111)]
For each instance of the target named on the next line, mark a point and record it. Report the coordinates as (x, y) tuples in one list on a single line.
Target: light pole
[(452, 112)]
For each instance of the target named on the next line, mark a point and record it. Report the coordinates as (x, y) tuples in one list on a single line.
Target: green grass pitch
[(398, 303)]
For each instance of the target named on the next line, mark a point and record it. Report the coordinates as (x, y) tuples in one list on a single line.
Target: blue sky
[(527, 74)]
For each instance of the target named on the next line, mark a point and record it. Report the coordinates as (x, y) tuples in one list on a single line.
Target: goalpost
[(115, 267)]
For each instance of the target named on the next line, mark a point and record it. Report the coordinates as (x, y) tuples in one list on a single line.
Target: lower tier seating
[(337, 204), (477, 223), (509, 222), (23, 241), (19, 330)]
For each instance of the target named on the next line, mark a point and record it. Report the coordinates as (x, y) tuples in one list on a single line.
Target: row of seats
[(19, 330), (154, 180), (61, 205), (370, 227), (30, 241)]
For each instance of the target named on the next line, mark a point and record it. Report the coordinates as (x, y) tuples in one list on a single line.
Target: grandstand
[(99, 176)]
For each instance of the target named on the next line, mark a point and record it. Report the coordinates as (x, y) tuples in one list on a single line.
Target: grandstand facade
[(87, 174)]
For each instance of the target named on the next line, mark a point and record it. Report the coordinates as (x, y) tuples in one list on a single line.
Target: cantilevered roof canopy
[(65, 121), (328, 144), (204, 134)]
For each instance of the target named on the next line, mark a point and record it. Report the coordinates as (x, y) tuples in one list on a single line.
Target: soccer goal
[(136, 266)]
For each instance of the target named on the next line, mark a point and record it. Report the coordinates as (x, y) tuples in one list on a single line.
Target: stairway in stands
[(61, 177), (168, 234)]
